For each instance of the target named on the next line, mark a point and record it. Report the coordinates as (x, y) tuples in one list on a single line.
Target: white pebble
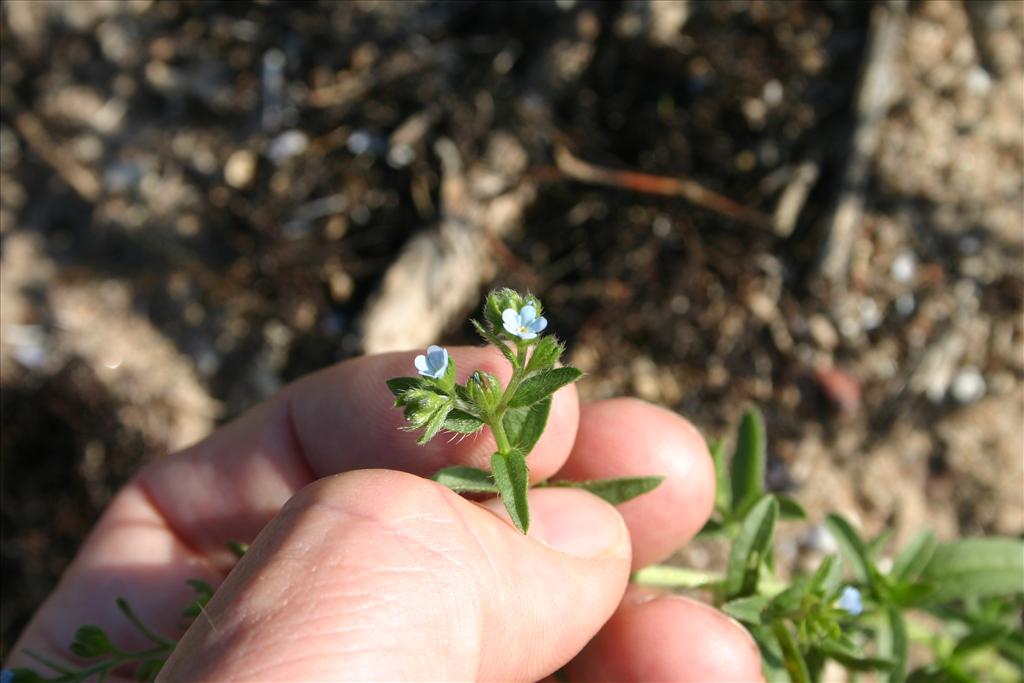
[(288, 144), (240, 168), (968, 385), (903, 267)]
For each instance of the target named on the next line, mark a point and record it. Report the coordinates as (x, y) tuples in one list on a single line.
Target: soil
[(200, 202)]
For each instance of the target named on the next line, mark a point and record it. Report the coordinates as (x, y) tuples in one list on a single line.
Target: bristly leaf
[(523, 426), (849, 656), (492, 338), (748, 461), (462, 479), (542, 385), (790, 509), (435, 423), (752, 543), (237, 548), (893, 645), (614, 491), (500, 299), (747, 609), (545, 354), (791, 655), (461, 422), (512, 478), (400, 385), (723, 486), (204, 592)]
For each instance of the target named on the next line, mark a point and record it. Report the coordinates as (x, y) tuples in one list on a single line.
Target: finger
[(627, 437), (379, 575), (656, 637), (335, 420)]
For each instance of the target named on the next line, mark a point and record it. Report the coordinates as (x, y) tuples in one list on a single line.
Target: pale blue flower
[(525, 324), (850, 601), (434, 363)]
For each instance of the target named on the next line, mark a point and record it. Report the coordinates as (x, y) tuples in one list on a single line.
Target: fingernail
[(574, 522)]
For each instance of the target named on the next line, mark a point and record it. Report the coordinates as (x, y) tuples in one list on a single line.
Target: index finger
[(339, 419)]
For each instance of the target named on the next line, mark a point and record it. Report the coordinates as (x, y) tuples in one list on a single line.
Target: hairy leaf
[(751, 545), (747, 609), (523, 426), (723, 486), (462, 422), (749, 461), (512, 480), (614, 491), (914, 558), (540, 386), (975, 567), (462, 479), (545, 354), (853, 548)]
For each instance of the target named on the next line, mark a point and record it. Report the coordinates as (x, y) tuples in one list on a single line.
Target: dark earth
[(202, 201)]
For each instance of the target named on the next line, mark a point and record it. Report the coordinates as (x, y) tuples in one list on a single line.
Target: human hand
[(380, 574)]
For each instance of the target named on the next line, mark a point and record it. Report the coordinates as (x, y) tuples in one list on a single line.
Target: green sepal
[(462, 479), (545, 355), (496, 303), (495, 340), (512, 479), (540, 386), (614, 491), (435, 423)]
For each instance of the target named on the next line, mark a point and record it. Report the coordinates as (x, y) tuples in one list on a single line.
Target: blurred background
[(812, 207)]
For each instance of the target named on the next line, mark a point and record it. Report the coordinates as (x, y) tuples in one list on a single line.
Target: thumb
[(377, 574)]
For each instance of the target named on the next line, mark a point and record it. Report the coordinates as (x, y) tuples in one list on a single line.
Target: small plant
[(959, 604), (516, 414)]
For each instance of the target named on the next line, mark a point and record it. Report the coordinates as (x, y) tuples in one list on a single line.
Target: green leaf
[(542, 385), (462, 422), (748, 462), (614, 491), (149, 670), (980, 636), (747, 609), (420, 406), (463, 479), (752, 543), (400, 385), (23, 675), (204, 592), (91, 641), (512, 479), (849, 656), (853, 548), (975, 567), (523, 426), (771, 654), (492, 338), (712, 529), (789, 600), (237, 548), (828, 579), (893, 645), (545, 354), (914, 558), (790, 509), (723, 487), (791, 656), (435, 423)]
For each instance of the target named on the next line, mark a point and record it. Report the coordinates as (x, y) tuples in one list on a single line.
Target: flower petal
[(526, 335), (437, 357), (511, 319), (421, 364), (527, 314), (538, 324)]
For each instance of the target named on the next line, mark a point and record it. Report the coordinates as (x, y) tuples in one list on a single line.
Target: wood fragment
[(690, 190), (793, 198), (82, 180), (876, 93)]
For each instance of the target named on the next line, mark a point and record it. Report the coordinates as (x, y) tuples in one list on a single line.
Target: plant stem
[(498, 429)]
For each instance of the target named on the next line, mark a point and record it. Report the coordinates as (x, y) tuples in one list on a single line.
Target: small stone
[(822, 331), (240, 169), (903, 267), (968, 385), (288, 144), (905, 304)]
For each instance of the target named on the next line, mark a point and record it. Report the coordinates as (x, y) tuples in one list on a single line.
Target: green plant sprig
[(516, 414), (849, 610)]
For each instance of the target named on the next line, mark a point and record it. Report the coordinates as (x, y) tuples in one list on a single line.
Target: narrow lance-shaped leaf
[(723, 486), (749, 460), (753, 541), (853, 548), (892, 645), (435, 423), (614, 491), (914, 558), (791, 656), (544, 355), (542, 385), (463, 479), (512, 479), (975, 567), (747, 610), (461, 422)]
